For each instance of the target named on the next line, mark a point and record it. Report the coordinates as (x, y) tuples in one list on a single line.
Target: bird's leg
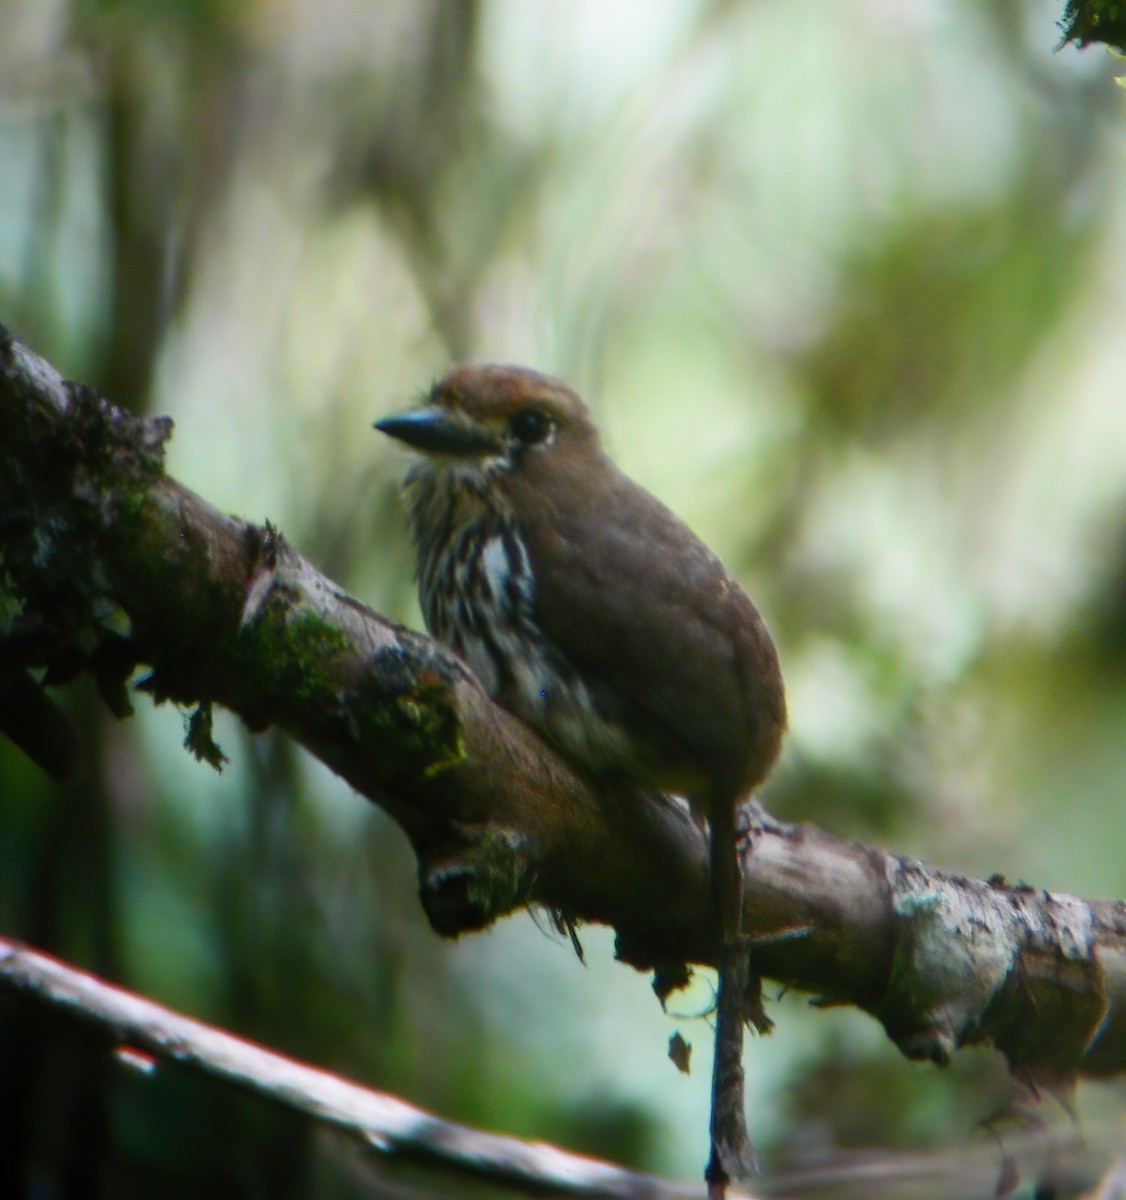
[(732, 1155)]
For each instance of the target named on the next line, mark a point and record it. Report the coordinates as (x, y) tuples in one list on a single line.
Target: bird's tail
[(726, 868), (732, 1153)]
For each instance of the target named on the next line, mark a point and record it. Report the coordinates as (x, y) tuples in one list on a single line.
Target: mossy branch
[(109, 563)]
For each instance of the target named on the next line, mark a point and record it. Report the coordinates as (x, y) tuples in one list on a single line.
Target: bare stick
[(386, 1124)]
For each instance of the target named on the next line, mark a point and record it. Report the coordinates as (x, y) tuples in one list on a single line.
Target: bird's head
[(482, 420)]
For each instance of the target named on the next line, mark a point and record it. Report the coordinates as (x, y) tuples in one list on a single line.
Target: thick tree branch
[(95, 537)]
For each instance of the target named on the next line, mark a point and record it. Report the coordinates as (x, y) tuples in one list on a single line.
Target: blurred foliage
[(1087, 21), (844, 284)]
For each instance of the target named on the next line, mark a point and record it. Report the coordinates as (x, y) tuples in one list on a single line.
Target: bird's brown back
[(639, 604)]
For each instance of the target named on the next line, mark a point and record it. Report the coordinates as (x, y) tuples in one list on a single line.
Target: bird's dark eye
[(530, 426)]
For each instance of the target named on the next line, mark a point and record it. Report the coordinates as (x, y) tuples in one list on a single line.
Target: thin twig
[(387, 1125)]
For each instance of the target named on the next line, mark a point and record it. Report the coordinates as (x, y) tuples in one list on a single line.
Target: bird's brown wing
[(636, 601)]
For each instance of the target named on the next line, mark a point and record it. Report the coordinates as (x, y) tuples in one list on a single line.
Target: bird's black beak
[(437, 431)]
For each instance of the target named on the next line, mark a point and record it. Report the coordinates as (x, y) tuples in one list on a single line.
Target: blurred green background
[(845, 285)]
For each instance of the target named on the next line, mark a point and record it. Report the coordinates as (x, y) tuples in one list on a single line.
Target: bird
[(593, 613)]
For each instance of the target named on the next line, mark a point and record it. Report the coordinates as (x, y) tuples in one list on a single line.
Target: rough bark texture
[(108, 563)]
